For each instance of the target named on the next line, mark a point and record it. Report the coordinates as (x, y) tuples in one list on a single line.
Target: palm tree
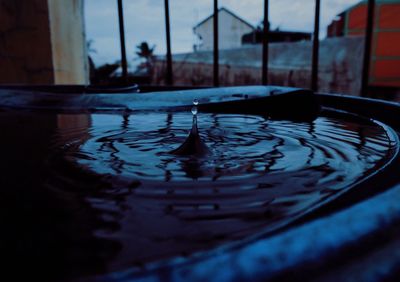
[(145, 52)]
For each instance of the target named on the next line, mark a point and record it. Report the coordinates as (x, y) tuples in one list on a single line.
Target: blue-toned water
[(106, 189)]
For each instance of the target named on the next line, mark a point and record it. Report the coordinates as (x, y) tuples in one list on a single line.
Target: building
[(337, 27), (385, 59), (340, 66), (231, 28), (255, 37)]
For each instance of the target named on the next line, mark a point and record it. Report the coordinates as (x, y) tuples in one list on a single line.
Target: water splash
[(193, 144), (194, 110)]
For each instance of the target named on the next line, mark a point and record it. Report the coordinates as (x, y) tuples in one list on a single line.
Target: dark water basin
[(86, 194)]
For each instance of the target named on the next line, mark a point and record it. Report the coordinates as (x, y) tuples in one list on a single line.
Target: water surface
[(93, 193)]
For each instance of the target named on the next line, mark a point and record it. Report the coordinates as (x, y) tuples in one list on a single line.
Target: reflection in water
[(259, 174), (46, 230), (98, 193), (240, 146)]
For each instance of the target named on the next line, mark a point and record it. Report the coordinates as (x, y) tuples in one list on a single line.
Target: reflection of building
[(385, 60), (75, 121), (231, 28)]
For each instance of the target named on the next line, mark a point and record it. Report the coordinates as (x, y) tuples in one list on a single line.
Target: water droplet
[(194, 110), (195, 102)]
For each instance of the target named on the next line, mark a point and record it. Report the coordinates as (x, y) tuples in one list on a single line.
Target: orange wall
[(386, 69), (385, 61), (387, 43), (357, 17), (389, 16)]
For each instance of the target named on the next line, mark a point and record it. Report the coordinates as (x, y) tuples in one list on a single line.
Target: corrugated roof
[(289, 55)]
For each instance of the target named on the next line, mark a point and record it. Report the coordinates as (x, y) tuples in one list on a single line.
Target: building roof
[(229, 12), (283, 55), (256, 36), (366, 2)]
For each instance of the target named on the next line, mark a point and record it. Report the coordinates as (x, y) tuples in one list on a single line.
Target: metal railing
[(169, 76), (367, 49), (124, 63), (264, 78), (264, 72), (315, 54)]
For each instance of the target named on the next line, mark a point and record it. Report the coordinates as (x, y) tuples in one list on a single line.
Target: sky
[(144, 21)]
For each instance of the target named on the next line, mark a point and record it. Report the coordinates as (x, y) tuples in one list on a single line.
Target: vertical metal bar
[(265, 40), (367, 48), (122, 41), (315, 54), (168, 78), (216, 60)]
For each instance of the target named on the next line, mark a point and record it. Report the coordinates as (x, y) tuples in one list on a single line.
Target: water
[(92, 193), (242, 147), (194, 110)]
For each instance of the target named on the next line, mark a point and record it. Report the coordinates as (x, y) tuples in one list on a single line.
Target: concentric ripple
[(241, 146), (259, 175)]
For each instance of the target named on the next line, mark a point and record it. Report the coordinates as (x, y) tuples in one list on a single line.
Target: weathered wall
[(201, 74), (25, 47), (230, 32), (68, 41), (42, 42), (340, 66)]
